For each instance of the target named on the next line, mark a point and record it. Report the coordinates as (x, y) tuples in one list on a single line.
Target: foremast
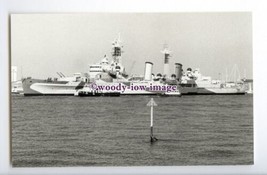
[(117, 69)]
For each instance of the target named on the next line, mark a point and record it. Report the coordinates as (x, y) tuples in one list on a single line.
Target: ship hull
[(211, 91), (40, 94), (124, 88), (38, 87)]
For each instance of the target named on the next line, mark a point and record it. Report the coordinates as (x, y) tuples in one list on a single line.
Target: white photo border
[(259, 12)]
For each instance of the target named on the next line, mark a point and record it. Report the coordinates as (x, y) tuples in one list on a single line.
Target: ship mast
[(117, 69), (166, 69), (117, 50)]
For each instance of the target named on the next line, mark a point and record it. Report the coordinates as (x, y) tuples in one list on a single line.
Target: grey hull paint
[(28, 91)]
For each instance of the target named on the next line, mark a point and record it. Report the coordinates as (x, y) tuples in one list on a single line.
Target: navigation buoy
[(152, 103)]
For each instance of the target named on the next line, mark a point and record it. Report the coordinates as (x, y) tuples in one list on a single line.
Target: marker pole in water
[(151, 103), (151, 122)]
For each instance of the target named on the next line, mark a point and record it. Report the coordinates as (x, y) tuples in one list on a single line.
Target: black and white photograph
[(131, 89)]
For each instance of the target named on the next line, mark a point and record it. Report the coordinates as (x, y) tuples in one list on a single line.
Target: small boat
[(172, 93), (88, 92), (98, 94)]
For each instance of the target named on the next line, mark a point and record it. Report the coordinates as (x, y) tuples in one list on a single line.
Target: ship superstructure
[(114, 73), (192, 82)]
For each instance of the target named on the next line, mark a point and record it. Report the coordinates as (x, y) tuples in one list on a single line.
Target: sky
[(43, 44)]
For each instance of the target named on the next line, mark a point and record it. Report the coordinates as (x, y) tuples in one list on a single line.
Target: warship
[(112, 72)]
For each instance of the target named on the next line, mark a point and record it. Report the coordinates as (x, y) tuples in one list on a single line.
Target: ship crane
[(62, 74), (59, 75)]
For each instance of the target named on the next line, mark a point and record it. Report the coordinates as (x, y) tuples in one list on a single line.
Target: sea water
[(56, 131)]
